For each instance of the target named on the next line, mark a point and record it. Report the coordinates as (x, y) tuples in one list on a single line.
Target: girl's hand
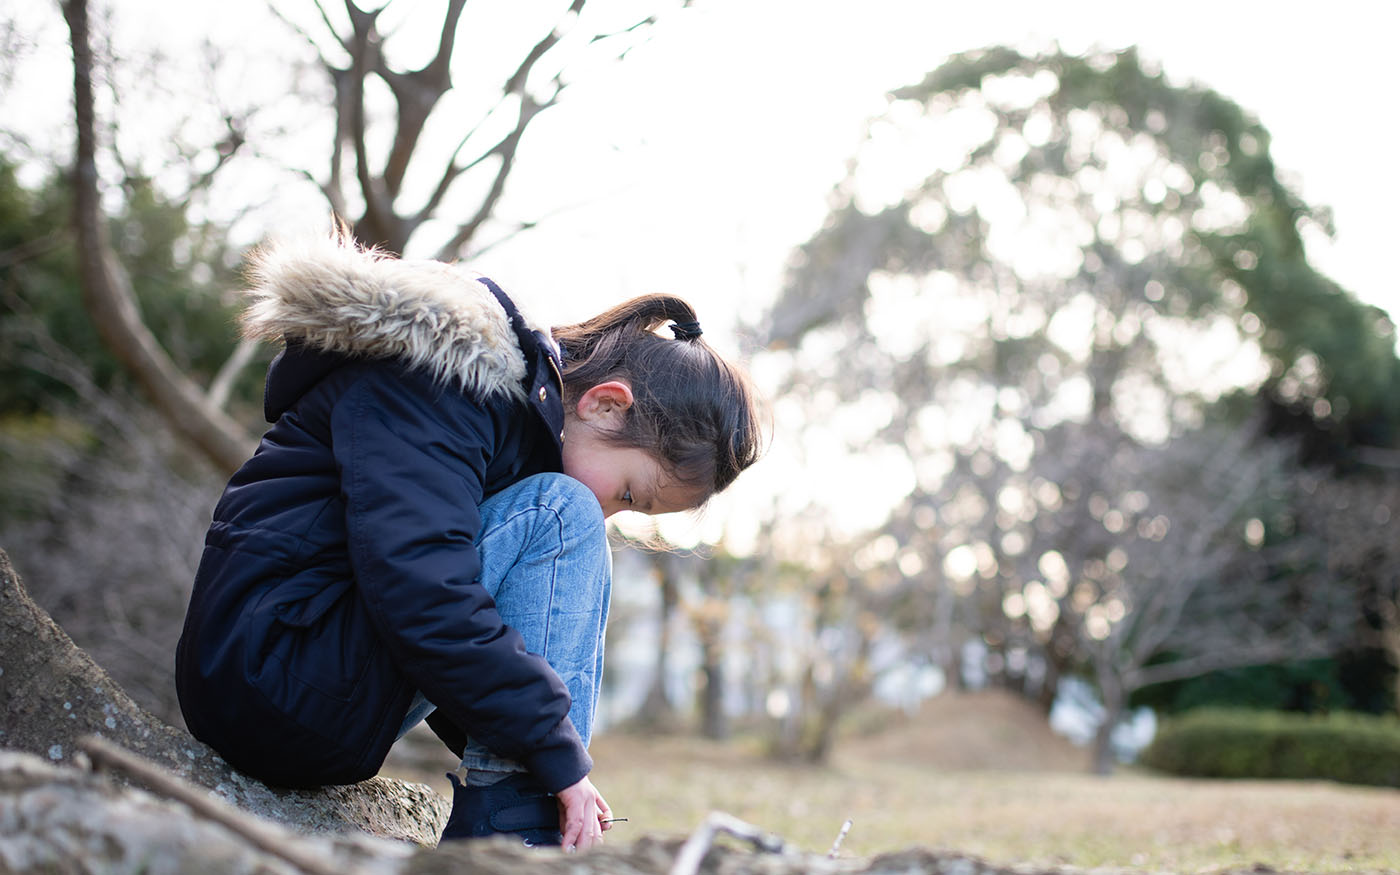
[(582, 810)]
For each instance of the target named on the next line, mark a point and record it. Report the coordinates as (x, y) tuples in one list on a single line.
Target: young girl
[(420, 532)]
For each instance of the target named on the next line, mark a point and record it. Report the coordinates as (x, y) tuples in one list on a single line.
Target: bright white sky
[(734, 123), (705, 157)]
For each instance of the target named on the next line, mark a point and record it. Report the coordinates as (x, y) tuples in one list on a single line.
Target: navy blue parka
[(339, 574)]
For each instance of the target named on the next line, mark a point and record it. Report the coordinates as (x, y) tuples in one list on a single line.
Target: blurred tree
[(701, 590), (183, 272), (1357, 518), (1212, 574), (1036, 282), (657, 711), (36, 276), (829, 624), (710, 610), (1349, 522)]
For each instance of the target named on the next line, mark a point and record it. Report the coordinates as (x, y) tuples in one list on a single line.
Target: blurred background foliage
[(1128, 438), (184, 274)]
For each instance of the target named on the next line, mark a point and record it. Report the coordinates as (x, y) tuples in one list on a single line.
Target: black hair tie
[(686, 330)]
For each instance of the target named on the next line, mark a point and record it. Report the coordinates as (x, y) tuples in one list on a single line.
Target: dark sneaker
[(512, 806)]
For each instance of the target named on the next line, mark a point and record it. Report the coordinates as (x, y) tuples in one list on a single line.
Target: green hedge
[(1220, 743)]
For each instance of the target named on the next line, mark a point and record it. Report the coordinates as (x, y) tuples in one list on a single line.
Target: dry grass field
[(981, 774)]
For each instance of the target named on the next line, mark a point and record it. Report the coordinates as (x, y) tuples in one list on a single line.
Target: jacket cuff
[(561, 761)]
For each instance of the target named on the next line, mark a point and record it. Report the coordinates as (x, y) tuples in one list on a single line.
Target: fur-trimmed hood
[(329, 295)]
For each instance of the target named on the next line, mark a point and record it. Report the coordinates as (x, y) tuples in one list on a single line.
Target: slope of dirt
[(986, 730)]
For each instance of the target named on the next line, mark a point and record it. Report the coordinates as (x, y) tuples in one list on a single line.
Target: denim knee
[(568, 507), (574, 502), (538, 522)]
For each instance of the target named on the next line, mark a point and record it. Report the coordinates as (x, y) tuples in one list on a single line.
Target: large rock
[(52, 694), (56, 818)]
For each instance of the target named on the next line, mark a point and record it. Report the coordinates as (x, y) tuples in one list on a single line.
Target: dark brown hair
[(691, 409)]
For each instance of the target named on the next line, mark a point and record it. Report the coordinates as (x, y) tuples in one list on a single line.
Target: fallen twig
[(266, 837), (703, 838), (840, 837)]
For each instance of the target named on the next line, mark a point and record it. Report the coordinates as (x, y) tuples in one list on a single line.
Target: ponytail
[(691, 409)]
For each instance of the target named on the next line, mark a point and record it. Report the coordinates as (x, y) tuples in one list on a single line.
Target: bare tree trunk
[(1111, 688), (1058, 651), (1049, 684), (852, 687), (656, 708), (1390, 640), (952, 664), (709, 620), (713, 721), (110, 300), (947, 653)]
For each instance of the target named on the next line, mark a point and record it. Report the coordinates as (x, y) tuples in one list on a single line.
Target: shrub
[(1221, 743)]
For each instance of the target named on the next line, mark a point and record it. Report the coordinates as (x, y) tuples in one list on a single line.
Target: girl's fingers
[(572, 829), (604, 814), (583, 832), (581, 809)]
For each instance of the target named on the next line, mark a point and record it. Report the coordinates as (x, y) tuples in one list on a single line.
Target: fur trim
[(334, 296)]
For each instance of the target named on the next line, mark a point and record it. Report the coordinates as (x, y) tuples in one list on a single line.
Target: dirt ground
[(982, 774)]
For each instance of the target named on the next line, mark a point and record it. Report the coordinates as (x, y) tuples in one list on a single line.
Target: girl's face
[(621, 478)]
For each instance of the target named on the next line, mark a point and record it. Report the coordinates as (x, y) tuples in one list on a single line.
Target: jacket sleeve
[(412, 461)]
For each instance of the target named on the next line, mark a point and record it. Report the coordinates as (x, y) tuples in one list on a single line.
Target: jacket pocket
[(318, 637)]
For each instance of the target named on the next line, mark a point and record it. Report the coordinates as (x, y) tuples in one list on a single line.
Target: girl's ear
[(605, 404)]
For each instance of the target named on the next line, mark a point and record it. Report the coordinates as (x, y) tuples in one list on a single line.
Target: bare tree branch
[(417, 93), (507, 148), (1168, 602), (507, 151), (1267, 652), (222, 384), (518, 80), (453, 170), (702, 838), (520, 227), (110, 299), (379, 221), (301, 31), (265, 836)]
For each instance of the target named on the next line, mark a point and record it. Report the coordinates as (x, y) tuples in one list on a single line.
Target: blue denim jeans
[(545, 560)]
